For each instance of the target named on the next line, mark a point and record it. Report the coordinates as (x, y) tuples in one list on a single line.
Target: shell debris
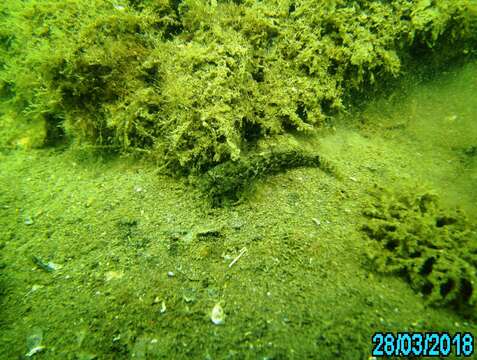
[(217, 315)]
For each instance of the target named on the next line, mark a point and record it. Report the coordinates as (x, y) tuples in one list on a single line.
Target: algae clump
[(195, 84), (434, 248)]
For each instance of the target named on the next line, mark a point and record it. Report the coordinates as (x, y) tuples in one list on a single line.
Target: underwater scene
[(238, 179)]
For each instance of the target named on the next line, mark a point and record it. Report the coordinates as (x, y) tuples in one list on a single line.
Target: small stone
[(28, 221)]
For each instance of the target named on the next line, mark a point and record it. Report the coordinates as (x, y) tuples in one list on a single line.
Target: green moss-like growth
[(196, 83), (435, 249)]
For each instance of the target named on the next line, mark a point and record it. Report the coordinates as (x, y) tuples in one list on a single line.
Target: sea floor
[(105, 258)]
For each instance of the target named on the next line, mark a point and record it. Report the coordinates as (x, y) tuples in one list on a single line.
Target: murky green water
[(140, 259), (343, 183)]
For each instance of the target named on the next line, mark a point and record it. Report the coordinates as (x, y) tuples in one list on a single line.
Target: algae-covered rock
[(195, 84), (433, 248)]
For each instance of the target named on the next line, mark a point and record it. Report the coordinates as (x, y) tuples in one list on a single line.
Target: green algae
[(194, 84), (435, 249), (304, 289)]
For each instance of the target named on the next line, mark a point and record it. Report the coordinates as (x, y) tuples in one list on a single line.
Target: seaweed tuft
[(433, 248), (196, 84)]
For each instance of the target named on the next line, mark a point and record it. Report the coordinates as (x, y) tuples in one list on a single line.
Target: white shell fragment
[(34, 342), (163, 307), (35, 350), (119, 7), (217, 316)]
